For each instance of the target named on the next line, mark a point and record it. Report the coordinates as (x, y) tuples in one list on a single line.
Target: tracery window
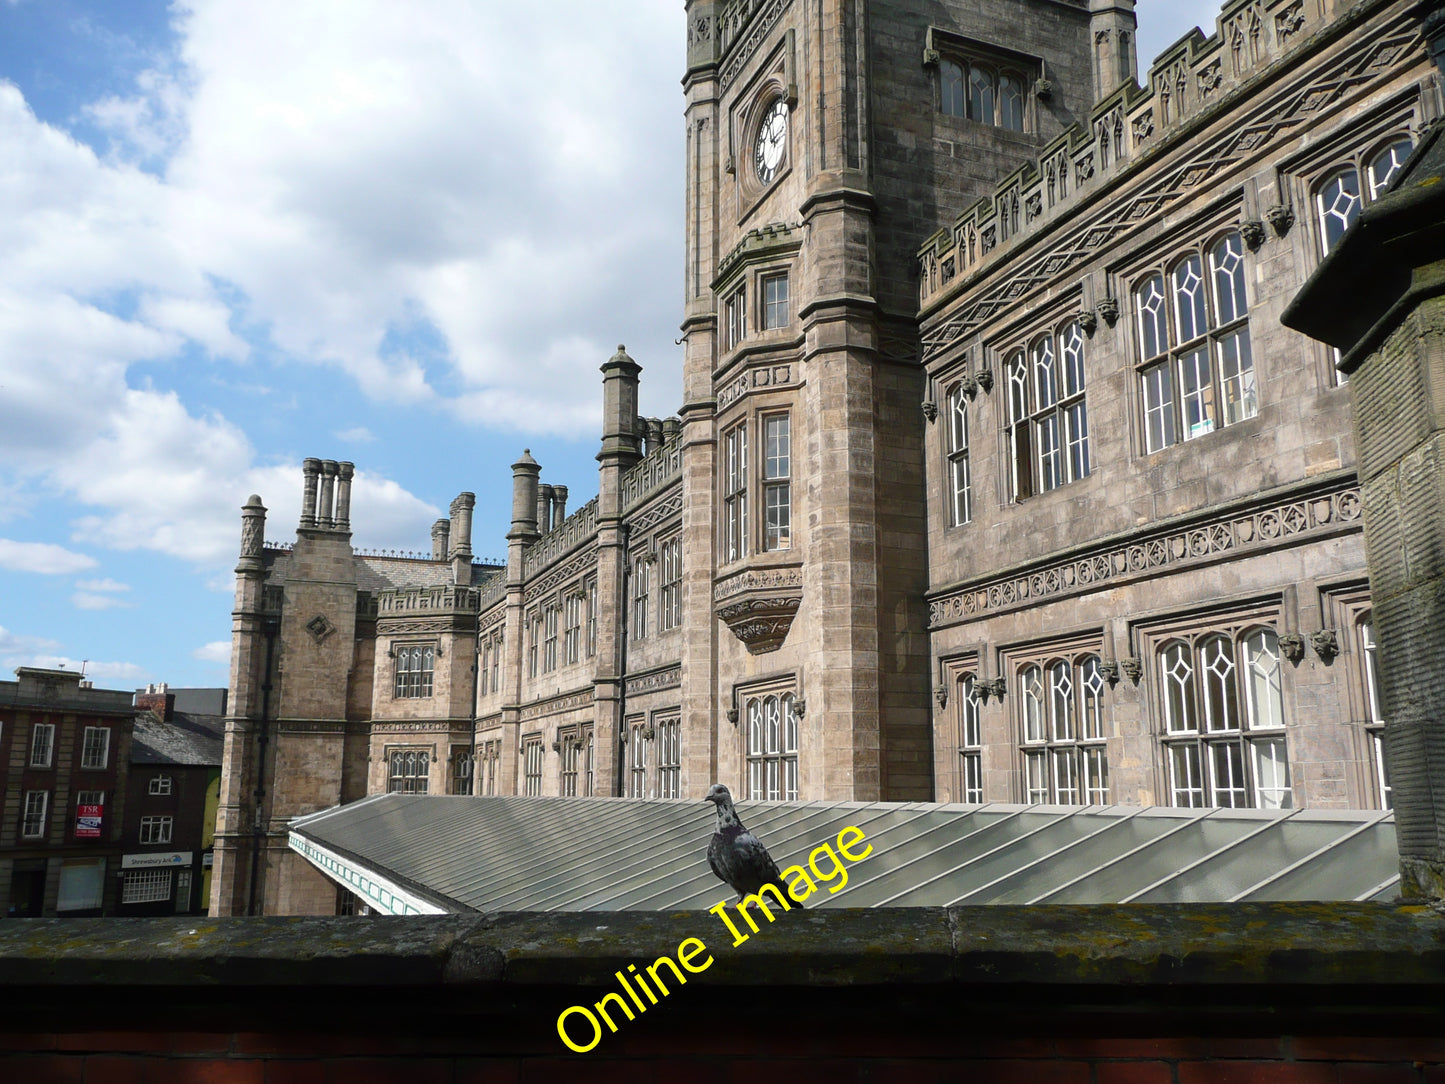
[(489, 759), (551, 617), (1196, 368), (534, 645), (1062, 723), (735, 492), (1223, 706), (772, 748), (408, 771), (639, 742), (983, 93), (641, 588), (1340, 197), (569, 762), (532, 759), (960, 502), (1048, 420), (572, 632), (461, 768), (777, 489), (1375, 717), (669, 758), (591, 617), (671, 616), (414, 667), (970, 740)]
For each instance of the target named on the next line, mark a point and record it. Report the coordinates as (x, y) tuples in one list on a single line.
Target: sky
[(236, 233)]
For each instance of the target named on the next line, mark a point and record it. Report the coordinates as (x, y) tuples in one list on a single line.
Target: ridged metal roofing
[(608, 854)]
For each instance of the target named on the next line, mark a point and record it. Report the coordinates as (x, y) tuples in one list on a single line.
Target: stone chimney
[(440, 531), (671, 429), (619, 410), (158, 699), (460, 534), (544, 508), (326, 499), (253, 534), (524, 498), (1112, 29), (342, 519), (311, 474), (559, 506)]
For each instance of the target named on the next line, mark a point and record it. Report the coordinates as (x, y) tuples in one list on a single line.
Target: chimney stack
[(524, 498), (440, 532), (311, 474)]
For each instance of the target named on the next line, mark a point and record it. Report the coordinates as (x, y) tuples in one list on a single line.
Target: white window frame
[(1047, 430), (771, 733), (415, 671), (42, 745), (35, 820), (408, 771), (774, 290), (969, 739), (534, 760), (156, 828), (669, 756), (735, 492), (1195, 370), (670, 616), (777, 431), (146, 886), (95, 748), (572, 628), (639, 747), (959, 483), (735, 317), (1064, 726)]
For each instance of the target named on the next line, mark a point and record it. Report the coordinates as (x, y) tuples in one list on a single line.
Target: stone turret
[(619, 410), (1113, 26), (525, 472), (253, 534)]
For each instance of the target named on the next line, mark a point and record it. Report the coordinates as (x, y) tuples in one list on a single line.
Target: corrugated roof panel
[(603, 854)]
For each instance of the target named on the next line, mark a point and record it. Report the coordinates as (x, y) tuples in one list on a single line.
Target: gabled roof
[(187, 739), (604, 854)]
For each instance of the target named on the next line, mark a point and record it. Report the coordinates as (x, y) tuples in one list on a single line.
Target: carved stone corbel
[(985, 380), (1043, 89), (1089, 321), (800, 707), (1253, 233), (930, 410), (1110, 673), (1108, 309), (941, 695), (1292, 646), (761, 622), (996, 688), (1133, 669), (1281, 218), (969, 386), (1326, 644), (732, 714)]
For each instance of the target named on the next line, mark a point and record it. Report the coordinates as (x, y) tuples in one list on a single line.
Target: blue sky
[(235, 233)]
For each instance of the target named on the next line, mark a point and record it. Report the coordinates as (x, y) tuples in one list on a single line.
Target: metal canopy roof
[(607, 854)]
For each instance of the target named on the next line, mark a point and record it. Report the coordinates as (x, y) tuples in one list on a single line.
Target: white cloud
[(356, 435), (84, 600), (101, 585), (218, 651), (11, 644), (42, 558)]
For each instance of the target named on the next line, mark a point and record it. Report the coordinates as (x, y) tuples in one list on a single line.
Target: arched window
[(1010, 102), (408, 772), (772, 748), (1061, 703), (970, 741), (1196, 367), (982, 89), (951, 97), (1048, 426), (960, 507), (1340, 197), (1223, 705)]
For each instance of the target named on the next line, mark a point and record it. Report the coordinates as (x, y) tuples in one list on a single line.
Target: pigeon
[(736, 855)]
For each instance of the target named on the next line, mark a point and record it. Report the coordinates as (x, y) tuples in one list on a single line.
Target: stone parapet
[(579, 527), (652, 474), (448, 598), (1190, 84)]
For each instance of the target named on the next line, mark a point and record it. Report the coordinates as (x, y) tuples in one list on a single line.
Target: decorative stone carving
[(1110, 673), (995, 688), (320, 628), (1108, 309), (1253, 233), (968, 385), (985, 380), (800, 707), (930, 57), (1133, 669), (1292, 646), (732, 714), (1209, 79), (1281, 218), (1288, 22), (941, 695), (1089, 321), (1043, 89), (761, 622), (1143, 126), (1326, 644), (930, 410)]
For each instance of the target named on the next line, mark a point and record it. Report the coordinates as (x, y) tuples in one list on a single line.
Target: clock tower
[(826, 141)]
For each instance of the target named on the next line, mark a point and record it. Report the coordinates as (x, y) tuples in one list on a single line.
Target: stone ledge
[(1142, 946)]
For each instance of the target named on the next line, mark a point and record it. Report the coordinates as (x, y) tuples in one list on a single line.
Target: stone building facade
[(845, 570)]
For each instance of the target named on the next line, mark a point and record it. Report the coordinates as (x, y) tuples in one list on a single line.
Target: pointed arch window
[(970, 741), (1340, 196), (408, 771), (1196, 366), (982, 92), (1224, 723), (960, 495), (772, 756), (1048, 419), (1064, 732)]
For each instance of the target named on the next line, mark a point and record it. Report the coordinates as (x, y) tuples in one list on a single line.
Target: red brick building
[(64, 764)]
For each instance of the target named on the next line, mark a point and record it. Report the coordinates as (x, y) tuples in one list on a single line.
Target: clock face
[(772, 140)]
